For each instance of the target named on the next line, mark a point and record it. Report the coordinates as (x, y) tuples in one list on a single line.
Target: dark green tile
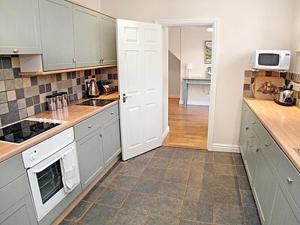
[(112, 197), (195, 211), (149, 186), (228, 215), (99, 215)]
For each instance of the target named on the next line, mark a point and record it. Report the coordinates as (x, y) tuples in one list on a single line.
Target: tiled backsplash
[(250, 78), (21, 97)]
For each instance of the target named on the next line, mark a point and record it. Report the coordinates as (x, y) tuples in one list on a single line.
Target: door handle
[(124, 98)]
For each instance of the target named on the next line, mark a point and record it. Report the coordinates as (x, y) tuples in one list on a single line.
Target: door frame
[(200, 22)]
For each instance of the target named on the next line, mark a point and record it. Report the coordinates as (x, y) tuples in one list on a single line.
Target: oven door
[(48, 179)]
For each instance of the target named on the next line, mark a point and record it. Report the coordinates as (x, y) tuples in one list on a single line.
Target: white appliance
[(52, 169), (271, 60)]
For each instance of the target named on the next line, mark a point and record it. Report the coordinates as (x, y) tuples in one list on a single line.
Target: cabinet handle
[(100, 135), (289, 180), (112, 113), (247, 128), (267, 144), (254, 122), (258, 149), (15, 50), (90, 126)]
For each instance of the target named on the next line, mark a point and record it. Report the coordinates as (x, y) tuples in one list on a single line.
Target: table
[(194, 81)]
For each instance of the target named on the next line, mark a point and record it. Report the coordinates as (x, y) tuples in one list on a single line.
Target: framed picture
[(207, 52)]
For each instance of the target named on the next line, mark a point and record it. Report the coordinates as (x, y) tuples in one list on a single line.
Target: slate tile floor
[(171, 186)]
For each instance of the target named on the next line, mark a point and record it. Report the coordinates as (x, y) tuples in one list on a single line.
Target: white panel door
[(140, 85)]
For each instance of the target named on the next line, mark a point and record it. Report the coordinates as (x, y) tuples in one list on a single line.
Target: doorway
[(191, 47)]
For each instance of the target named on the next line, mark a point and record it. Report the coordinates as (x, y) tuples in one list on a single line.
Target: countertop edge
[(19, 148)]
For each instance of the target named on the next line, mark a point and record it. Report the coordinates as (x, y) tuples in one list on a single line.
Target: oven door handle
[(46, 166)]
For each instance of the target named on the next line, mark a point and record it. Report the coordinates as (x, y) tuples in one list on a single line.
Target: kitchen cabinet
[(57, 34), (284, 211), (87, 37), (108, 40), (111, 139), (264, 188), (98, 142), (90, 157), (20, 213), (19, 22), (16, 205), (273, 178)]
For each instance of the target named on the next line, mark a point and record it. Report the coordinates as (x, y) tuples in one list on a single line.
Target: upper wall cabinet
[(108, 40), (57, 34), (19, 24), (87, 37)]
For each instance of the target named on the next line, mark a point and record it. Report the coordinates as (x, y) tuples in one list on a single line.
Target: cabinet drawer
[(112, 112), (11, 169), (93, 123), (13, 192), (290, 177), (89, 125)]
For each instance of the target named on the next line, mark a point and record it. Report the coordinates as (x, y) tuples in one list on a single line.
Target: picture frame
[(207, 52)]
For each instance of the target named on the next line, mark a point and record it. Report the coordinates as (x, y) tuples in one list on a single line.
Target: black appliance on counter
[(106, 87)]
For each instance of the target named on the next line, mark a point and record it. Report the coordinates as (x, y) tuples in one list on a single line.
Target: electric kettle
[(286, 96), (92, 89)]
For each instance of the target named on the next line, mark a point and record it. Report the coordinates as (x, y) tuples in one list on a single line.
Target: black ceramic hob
[(96, 102), (24, 130)]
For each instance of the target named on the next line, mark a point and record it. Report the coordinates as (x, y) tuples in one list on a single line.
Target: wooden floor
[(188, 126)]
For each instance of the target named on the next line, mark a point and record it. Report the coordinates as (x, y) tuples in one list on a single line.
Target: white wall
[(187, 44), (93, 4), (174, 62), (296, 39), (192, 51), (243, 27)]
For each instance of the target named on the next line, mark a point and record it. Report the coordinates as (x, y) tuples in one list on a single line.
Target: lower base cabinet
[(90, 157), (264, 187), (284, 211), (22, 213), (268, 178), (98, 142), (111, 140)]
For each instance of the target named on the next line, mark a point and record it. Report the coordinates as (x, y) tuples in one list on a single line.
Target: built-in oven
[(54, 175)]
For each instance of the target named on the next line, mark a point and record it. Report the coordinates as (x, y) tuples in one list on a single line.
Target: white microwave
[(271, 60)]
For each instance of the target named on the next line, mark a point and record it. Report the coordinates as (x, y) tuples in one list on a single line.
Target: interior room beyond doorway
[(189, 80)]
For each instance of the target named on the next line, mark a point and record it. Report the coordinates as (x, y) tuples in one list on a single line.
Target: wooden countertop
[(283, 123), (71, 115)]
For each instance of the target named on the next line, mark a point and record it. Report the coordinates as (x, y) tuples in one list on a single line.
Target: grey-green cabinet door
[(19, 22), (284, 211), (57, 34), (87, 37), (111, 139), (90, 157), (251, 154), (20, 213), (108, 40), (264, 188)]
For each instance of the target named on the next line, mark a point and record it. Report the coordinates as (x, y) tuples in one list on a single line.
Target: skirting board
[(165, 133), (225, 148)]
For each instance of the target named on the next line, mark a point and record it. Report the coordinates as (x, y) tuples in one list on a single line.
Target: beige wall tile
[(30, 111), (11, 95), (26, 82), (15, 62), (2, 86)]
